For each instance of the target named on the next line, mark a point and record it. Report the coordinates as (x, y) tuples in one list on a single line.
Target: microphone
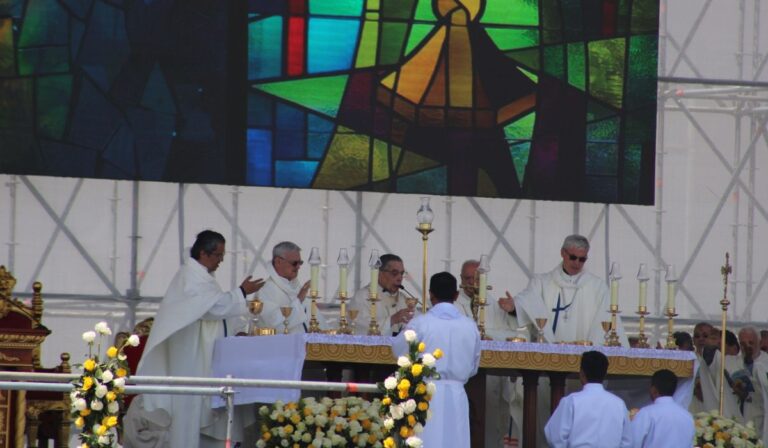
[(418, 302)]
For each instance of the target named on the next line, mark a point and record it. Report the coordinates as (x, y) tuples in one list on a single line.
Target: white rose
[(89, 336), (80, 404), (431, 388), (122, 356), (104, 440), (418, 428), (396, 411), (428, 360), (413, 442), (106, 376), (119, 382), (103, 328), (390, 383), (133, 340), (261, 444), (101, 390), (113, 407), (409, 406), (403, 361), (389, 423), (410, 335), (97, 405)]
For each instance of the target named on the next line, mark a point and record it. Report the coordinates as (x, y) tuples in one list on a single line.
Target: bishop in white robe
[(181, 343), (456, 335)]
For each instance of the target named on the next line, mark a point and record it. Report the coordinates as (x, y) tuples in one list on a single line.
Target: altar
[(528, 360)]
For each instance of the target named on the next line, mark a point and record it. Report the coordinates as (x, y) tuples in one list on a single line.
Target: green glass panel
[(323, 94), (633, 155), (553, 61), (529, 58), (16, 105), (602, 159), (346, 164), (392, 42), (604, 130), (576, 67), (521, 129), (265, 48), (418, 32), (597, 111), (351, 8), (44, 60), (606, 70), (424, 11), (432, 181), (45, 23), (7, 59), (372, 5), (645, 16), (53, 94), (513, 38), (366, 52), (380, 160), (622, 25), (521, 12), (413, 162), (641, 77), (397, 9), (551, 22), (532, 76), (520, 153)]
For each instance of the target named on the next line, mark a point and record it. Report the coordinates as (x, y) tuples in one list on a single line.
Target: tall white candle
[(314, 276), (482, 287), (614, 292), (373, 288), (643, 297), (671, 295), (343, 280)]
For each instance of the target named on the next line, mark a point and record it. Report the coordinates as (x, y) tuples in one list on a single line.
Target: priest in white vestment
[(593, 417), (283, 289), (499, 390), (456, 335), (392, 311), (573, 301), (181, 343), (663, 424), (743, 376)]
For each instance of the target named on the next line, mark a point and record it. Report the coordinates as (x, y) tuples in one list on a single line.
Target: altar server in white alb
[(392, 311), (181, 343), (573, 301), (283, 289), (456, 335), (593, 417), (663, 424)]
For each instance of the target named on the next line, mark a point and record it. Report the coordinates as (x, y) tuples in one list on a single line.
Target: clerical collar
[(568, 277)]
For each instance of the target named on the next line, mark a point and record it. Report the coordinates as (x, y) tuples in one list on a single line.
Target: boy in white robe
[(663, 424), (456, 335)]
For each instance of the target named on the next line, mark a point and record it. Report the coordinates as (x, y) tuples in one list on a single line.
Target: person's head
[(749, 340), (442, 288), (391, 272), (468, 270), (731, 343), (683, 341), (286, 259), (764, 340), (714, 338), (574, 252), (594, 367), (663, 384), (701, 333), (208, 249)]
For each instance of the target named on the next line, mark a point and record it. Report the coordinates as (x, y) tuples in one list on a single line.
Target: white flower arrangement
[(714, 431)]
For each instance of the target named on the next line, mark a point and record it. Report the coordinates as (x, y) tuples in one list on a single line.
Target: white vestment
[(181, 344), (386, 305), (663, 424), (710, 393), (280, 292), (593, 418), (445, 328), (737, 372), (574, 305)]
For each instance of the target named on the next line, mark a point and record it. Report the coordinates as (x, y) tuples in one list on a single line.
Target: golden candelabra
[(725, 271), (314, 325), (344, 327), (671, 345), (373, 327), (642, 339), (613, 337)]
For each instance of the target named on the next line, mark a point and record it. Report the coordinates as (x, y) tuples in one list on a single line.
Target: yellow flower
[(112, 421), (404, 431), (288, 429), (295, 418), (372, 439), (85, 412), (80, 422), (89, 364), (266, 435), (389, 442), (422, 347), (112, 351), (403, 394), (437, 354), (102, 430), (411, 420), (404, 384), (416, 369), (121, 372), (421, 389), (111, 396), (87, 382), (386, 401), (84, 445), (423, 406)]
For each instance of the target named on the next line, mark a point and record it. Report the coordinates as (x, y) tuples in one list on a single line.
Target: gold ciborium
[(286, 312), (255, 307), (541, 322)]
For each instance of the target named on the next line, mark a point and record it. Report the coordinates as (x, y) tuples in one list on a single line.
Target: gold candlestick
[(671, 345), (481, 320), (343, 324), (725, 271), (613, 337), (424, 216), (642, 338), (373, 326), (314, 325)]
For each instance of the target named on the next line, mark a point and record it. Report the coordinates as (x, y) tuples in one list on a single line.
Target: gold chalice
[(255, 307), (286, 312), (353, 318), (606, 324), (411, 303), (541, 322)]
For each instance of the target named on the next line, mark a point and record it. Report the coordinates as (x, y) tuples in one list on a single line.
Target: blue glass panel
[(95, 119), (265, 48), (157, 96), (119, 154), (602, 158), (259, 162), (320, 132), (331, 44), (153, 133), (259, 110), (105, 46), (68, 160), (294, 173), (291, 129), (432, 181)]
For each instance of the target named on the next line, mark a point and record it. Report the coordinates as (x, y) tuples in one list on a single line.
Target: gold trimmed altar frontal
[(513, 360)]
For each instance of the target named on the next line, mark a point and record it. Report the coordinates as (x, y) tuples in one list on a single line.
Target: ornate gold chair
[(38, 415)]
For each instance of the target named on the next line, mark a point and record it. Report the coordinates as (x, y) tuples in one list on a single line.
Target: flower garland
[(407, 394), (343, 422), (98, 394), (714, 431)]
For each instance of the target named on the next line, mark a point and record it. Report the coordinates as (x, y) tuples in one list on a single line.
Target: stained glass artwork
[(540, 99)]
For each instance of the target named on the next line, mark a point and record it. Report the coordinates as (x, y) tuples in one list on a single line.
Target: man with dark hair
[(683, 341), (732, 347), (593, 417), (392, 311), (444, 327), (701, 334), (189, 321), (663, 424)]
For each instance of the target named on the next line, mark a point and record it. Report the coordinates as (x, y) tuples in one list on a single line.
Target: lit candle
[(615, 276), (642, 277), (314, 270), (671, 281)]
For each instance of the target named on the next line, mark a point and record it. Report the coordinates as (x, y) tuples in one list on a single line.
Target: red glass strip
[(296, 45), (609, 18)]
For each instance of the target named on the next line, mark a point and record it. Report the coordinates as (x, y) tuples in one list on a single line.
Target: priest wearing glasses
[(573, 301)]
